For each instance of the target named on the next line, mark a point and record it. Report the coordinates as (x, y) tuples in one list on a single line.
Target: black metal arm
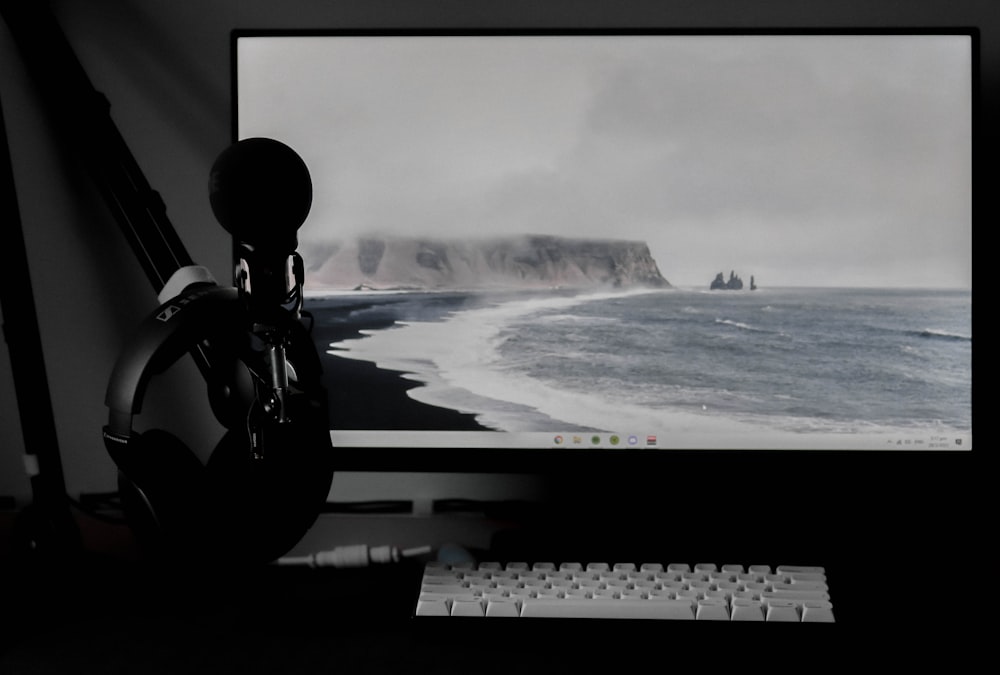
[(82, 117)]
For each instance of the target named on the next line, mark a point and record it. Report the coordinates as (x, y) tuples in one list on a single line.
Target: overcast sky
[(803, 160)]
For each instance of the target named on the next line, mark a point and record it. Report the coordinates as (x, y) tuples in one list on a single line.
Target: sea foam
[(459, 362)]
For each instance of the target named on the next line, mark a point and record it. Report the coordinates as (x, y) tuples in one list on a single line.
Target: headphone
[(259, 492)]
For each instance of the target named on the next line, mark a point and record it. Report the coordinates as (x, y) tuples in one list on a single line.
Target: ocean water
[(796, 361)]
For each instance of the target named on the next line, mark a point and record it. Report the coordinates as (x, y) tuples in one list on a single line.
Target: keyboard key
[(607, 609), (782, 610), (798, 569), (433, 607), (504, 607), (712, 610), (794, 596), (801, 586), (817, 611), (473, 607), (747, 610), (801, 577)]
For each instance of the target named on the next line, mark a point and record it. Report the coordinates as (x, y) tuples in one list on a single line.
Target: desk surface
[(107, 616), (111, 612)]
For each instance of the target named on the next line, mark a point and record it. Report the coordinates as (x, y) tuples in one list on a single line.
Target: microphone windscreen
[(260, 191)]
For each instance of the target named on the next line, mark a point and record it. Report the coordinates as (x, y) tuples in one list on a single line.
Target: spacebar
[(607, 609)]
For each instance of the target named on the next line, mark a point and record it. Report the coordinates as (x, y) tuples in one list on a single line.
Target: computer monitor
[(532, 246)]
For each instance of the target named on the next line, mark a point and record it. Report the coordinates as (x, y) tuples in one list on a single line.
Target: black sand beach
[(363, 396)]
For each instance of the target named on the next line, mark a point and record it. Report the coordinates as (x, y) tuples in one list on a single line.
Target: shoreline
[(406, 391), (363, 396)]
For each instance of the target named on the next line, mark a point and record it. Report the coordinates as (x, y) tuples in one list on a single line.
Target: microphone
[(261, 192)]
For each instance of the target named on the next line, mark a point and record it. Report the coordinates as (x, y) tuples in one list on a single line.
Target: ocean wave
[(427, 352), (739, 324), (458, 358), (934, 334)]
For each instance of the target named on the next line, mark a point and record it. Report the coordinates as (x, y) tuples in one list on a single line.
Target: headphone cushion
[(164, 488), (268, 503)]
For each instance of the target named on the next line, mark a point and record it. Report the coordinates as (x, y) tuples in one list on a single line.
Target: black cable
[(385, 506), (99, 504), (93, 512), (500, 509)]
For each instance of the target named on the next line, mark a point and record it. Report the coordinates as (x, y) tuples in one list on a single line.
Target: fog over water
[(803, 160)]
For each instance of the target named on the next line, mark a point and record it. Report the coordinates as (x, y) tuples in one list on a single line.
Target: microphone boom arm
[(82, 117)]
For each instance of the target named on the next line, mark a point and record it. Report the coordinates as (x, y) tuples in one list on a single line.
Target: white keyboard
[(701, 592)]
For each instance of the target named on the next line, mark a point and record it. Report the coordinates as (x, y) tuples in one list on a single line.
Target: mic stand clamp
[(270, 315)]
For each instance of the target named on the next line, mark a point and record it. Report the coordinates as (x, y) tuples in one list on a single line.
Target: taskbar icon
[(598, 440)]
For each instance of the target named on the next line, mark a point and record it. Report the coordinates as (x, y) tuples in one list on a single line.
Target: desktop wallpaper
[(533, 231)]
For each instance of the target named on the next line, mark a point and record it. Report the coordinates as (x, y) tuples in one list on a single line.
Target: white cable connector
[(357, 555), (31, 467)]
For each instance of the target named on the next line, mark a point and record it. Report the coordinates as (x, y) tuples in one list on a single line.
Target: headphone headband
[(176, 327)]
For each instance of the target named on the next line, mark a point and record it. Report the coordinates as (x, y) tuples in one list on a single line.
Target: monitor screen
[(580, 242)]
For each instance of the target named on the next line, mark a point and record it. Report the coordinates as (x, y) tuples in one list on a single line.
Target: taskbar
[(600, 440)]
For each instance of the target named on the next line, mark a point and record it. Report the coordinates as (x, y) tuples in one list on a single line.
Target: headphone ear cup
[(232, 394), (163, 491), (268, 503)]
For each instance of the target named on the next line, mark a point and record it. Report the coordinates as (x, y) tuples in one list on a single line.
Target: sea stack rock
[(720, 283)]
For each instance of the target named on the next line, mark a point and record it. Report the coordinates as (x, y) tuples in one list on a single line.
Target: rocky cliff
[(524, 261)]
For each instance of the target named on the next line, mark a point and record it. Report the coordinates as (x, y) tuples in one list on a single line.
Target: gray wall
[(165, 68)]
